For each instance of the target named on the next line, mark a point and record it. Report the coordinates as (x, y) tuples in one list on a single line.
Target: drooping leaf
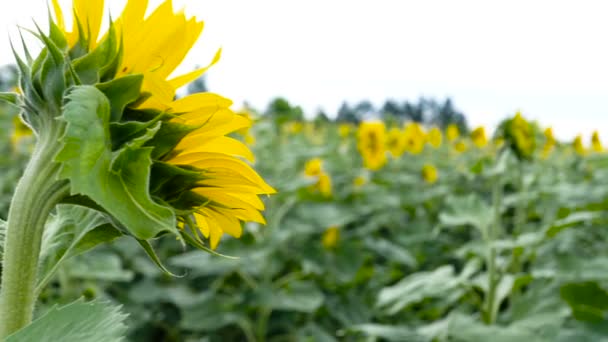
[(116, 180)]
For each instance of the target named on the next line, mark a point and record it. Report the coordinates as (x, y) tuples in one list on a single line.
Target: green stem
[(491, 308), (36, 194)]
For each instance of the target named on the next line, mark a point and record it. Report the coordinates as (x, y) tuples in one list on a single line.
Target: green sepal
[(91, 66), (169, 135), (56, 35), (165, 176), (52, 74), (155, 259), (121, 92), (118, 180)]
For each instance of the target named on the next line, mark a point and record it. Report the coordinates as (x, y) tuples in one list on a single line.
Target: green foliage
[(76, 322)]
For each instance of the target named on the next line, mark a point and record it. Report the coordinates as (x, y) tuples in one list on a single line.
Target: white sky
[(547, 58)]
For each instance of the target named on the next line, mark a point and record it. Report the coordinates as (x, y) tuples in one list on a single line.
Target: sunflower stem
[(36, 194)]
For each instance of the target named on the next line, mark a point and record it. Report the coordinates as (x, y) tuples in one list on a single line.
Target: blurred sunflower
[(596, 143), (396, 142), (330, 237), (371, 142), (414, 137), (221, 190), (577, 144), (549, 142), (429, 173), (478, 136), (435, 137), (359, 181), (313, 167), (452, 132)]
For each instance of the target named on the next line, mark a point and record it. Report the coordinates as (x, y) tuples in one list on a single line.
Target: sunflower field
[(130, 212)]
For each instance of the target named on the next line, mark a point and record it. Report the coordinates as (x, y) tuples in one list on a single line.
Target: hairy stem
[(36, 194)]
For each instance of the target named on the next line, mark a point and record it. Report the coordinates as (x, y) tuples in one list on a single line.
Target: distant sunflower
[(435, 137), (415, 138), (372, 144), (478, 136), (429, 173), (452, 133), (578, 146), (596, 142), (396, 142)]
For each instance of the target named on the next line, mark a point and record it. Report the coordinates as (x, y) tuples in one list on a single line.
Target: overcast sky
[(547, 58)]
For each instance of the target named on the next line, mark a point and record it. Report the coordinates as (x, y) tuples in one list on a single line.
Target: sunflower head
[(396, 142), (596, 143), (452, 132), (371, 142), (519, 136), (478, 136), (344, 130), (105, 102), (330, 238), (429, 173), (435, 137), (313, 167), (578, 146), (415, 138)]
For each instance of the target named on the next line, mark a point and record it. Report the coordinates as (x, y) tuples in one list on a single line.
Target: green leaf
[(418, 286), (467, 210), (301, 296), (589, 302), (98, 266), (388, 332), (94, 321), (116, 180), (73, 230)]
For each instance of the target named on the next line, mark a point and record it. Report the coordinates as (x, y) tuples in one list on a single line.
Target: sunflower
[(415, 138), (577, 144), (549, 142), (435, 137), (452, 132), (372, 144), (330, 237), (396, 142), (429, 173), (596, 143), (313, 167), (478, 136), (209, 185)]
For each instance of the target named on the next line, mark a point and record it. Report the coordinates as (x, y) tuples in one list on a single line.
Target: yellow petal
[(200, 101), (227, 223), (202, 224), (193, 75), (224, 145), (58, 15), (90, 14)]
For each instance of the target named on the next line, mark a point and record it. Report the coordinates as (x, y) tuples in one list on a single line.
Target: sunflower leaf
[(118, 180), (77, 321)]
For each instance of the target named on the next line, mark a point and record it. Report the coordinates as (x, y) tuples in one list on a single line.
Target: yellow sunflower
[(227, 189), (429, 173), (372, 144), (330, 237), (577, 144), (478, 136), (596, 143), (415, 138), (435, 137), (452, 132), (396, 142), (313, 167)]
